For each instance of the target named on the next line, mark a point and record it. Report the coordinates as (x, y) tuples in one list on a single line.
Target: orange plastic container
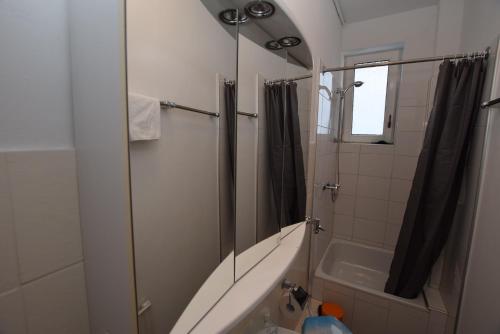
[(331, 309)]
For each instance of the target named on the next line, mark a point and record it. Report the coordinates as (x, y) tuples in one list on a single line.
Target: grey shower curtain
[(230, 104), (285, 155), (434, 194), (227, 173)]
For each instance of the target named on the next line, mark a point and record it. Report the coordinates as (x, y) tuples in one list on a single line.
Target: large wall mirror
[(272, 130), (180, 60), (219, 127)]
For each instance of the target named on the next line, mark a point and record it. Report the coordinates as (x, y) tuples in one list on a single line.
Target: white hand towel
[(144, 117)]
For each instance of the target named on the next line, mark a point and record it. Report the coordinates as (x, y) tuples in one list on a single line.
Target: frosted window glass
[(325, 104), (325, 113), (369, 101)]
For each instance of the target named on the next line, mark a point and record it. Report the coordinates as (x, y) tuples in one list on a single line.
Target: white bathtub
[(360, 267), (353, 275)]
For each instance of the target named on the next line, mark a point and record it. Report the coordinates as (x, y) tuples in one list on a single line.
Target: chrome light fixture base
[(260, 9), (233, 16), (273, 45), (289, 41)]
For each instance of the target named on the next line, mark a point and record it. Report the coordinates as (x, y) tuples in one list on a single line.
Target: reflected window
[(325, 120)]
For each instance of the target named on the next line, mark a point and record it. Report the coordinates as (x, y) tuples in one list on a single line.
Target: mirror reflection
[(296, 145), (181, 159), (259, 180), (270, 183)]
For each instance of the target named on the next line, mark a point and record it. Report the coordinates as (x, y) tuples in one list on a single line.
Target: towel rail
[(490, 103), (254, 115), (173, 105)]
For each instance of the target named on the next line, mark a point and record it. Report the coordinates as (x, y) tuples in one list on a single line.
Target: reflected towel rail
[(248, 114), (173, 105), (490, 103)]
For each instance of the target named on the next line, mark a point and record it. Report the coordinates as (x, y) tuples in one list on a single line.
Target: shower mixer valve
[(328, 186), (334, 190), (315, 222)]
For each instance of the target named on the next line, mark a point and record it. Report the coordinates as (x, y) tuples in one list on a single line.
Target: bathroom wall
[(480, 24), (320, 25), (480, 289), (35, 85), (376, 179), (42, 286), (479, 28), (42, 282)]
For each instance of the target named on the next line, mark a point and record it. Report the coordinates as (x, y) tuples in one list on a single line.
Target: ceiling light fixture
[(259, 9), (228, 16), (273, 45), (289, 41)]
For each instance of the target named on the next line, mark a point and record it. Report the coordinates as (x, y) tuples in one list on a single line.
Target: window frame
[(392, 89)]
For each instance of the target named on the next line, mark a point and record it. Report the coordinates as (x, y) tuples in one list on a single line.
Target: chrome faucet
[(315, 222)]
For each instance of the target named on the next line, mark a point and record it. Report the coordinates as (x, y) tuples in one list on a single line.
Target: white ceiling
[(361, 10)]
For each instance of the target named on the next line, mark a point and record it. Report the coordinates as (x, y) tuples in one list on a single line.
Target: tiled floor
[(310, 311)]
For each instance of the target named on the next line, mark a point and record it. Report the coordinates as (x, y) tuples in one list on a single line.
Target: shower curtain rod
[(484, 54), (272, 82)]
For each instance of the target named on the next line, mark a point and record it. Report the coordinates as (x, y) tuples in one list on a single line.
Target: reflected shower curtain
[(230, 104), (285, 153), (436, 185), (227, 172)]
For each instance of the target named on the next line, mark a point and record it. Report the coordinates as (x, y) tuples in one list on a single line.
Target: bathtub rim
[(419, 302)]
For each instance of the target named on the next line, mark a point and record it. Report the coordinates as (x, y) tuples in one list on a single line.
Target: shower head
[(354, 84), (358, 83)]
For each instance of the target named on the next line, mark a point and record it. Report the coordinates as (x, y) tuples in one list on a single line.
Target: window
[(370, 108)]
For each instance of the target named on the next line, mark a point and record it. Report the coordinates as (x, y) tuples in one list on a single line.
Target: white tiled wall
[(325, 173), (383, 173), (42, 285), (376, 179), (365, 313)]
